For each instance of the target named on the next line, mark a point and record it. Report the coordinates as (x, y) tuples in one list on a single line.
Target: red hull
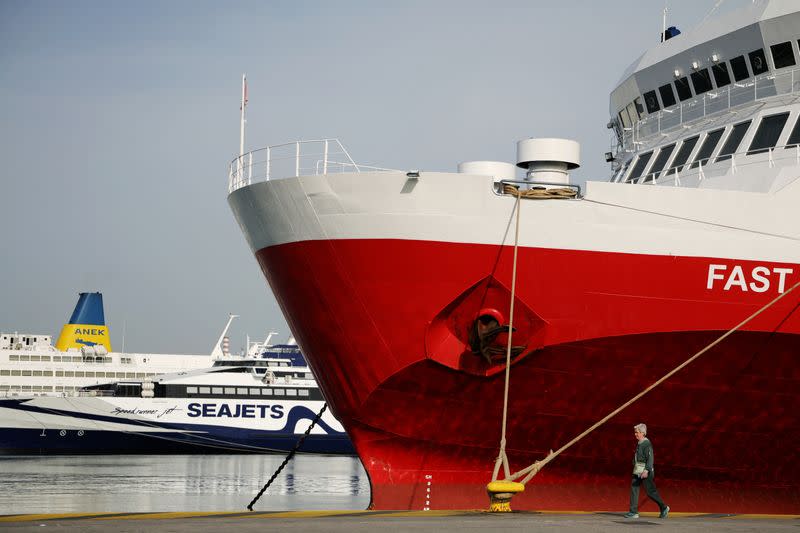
[(383, 324)]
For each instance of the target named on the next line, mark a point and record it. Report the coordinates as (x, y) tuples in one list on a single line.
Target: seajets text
[(236, 411)]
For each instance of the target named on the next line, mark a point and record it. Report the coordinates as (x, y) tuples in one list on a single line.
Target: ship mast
[(242, 120)]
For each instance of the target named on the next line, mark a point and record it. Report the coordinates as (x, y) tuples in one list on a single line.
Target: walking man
[(643, 472)]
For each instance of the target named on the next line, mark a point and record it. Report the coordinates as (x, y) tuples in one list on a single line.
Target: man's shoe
[(631, 515), (664, 512)]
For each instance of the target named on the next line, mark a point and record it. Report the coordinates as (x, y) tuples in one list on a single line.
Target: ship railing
[(711, 103), (292, 159), (777, 156)]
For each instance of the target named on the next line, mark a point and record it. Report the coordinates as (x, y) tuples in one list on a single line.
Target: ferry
[(427, 284), (241, 404), (82, 356)]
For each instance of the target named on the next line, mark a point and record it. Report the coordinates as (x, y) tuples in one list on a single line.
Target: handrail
[(712, 167), (292, 159), (710, 103)]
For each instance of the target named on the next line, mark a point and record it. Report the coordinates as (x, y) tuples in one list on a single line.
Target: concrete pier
[(369, 521)]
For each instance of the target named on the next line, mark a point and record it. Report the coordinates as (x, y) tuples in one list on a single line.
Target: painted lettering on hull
[(216, 410), (745, 279)]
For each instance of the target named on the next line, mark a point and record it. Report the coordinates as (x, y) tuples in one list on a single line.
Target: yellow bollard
[(500, 493)]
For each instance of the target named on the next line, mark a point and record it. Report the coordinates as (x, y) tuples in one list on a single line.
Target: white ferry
[(82, 356), (241, 404)]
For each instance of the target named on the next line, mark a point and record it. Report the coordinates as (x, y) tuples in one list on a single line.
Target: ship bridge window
[(667, 95), (701, 80), (651, 101), (682, 86), (623, 117), (660, 161), (637, 103), (758, 61), (782, 54), (739, 68), (794, 137), (767, 134), (638, 168), (683, 153), (732, 143), (707, 148)]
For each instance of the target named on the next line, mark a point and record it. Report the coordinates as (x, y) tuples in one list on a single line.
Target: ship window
[(660, 161), (5, 373), (732, 143), (638, 168), (216, 390), (70, 374), (57, 358), (701, 81), (130, 375), (13, 358), (758, 62), (667, 95), (682, 86), (15, 372), (767, 134), (24, 358), (35, 357), (739, 68), (302, 392), (707, 148), (623, 117), (37, 373), (255, 392), (120, 374), (637, 103), (266, 392), (191, 390), (241, 390), (782, 54), (721, 76), (794, 137), (684, 152), (291, 392), (278, 392), (230, 390), (651, 101), (59, 373), (204, 390)]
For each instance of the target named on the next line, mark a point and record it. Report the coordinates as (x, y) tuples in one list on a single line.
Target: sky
[(118, 120)]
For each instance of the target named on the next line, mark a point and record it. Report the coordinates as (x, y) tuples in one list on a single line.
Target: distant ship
[(82, 356), (242, 404), (402, 288)]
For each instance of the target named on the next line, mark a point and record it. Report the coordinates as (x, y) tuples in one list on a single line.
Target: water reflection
[(178, 483)]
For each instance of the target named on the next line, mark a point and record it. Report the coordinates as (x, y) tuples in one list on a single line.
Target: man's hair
[(641, 427)]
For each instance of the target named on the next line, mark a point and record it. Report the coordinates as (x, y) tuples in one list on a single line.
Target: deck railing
[(298, 158), (710, 103), (763, 158)]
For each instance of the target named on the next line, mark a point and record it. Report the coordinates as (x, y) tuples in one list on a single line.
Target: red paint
[(382, 324)]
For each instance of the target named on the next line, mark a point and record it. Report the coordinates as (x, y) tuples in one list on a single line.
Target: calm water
[(143, 483)]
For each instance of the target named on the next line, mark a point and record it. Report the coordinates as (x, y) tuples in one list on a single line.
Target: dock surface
[(368, 521)]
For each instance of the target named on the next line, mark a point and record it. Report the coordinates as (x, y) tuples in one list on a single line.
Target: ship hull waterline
[(374, 321)]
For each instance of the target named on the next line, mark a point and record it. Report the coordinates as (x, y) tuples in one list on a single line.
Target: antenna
[(664, 23), (217, 351)]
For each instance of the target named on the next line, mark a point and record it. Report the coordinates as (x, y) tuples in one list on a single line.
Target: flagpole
[(241, 123)]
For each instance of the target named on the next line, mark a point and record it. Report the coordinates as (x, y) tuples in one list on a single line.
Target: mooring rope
[(288, 457), (502, 458), (540, 193), (530, 471)]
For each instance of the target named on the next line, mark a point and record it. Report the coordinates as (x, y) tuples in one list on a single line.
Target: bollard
[(500, 494)]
